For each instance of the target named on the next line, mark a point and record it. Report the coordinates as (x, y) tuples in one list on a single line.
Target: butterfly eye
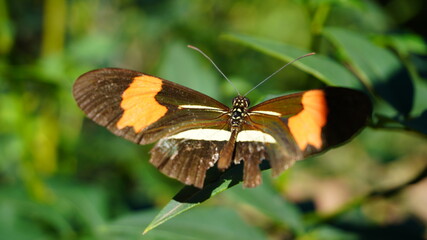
[(247, 102)]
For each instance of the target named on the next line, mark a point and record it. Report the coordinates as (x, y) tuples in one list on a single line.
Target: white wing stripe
[(223, 135), (200, 107), (268, 113)]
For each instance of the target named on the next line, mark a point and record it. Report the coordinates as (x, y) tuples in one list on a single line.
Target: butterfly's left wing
[(307, 123)]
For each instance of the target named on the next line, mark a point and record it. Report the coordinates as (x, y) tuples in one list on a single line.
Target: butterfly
[(194, 132)]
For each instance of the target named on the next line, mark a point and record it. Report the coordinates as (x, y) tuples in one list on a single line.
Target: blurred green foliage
[(63, 177)]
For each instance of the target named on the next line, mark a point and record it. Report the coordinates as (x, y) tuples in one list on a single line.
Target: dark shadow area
[(214, 179), (411, 228), (419, 123), (398, 91)]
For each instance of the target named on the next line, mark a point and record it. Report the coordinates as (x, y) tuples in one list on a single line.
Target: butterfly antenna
[(217, 68), (278, 70)]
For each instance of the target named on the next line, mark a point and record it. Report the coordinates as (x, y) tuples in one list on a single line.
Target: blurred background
[(64, 177)]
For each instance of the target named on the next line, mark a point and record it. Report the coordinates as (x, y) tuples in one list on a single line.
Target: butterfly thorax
[(239, 111)]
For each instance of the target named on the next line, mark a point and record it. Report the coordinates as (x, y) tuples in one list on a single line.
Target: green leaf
[(202, 223), (171, 210), (186, 199), (320, 66), (377, 67), (184, 66), (127, 226), (216, 182), (18, 212), (174, 208), (269, 202), (88, 205), (405, 44), (328, 233)]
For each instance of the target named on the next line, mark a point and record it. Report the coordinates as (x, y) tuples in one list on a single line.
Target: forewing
[(318, 119), (144, 108)]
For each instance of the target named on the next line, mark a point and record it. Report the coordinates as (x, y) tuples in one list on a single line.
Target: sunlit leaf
[(174, 207), (322, 67), (216, 182), (201, 223)]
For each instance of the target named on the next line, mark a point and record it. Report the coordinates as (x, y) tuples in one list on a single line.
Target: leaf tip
[(146, 230)]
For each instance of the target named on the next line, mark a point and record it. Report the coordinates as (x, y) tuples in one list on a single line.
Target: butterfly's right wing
[(145, 109)]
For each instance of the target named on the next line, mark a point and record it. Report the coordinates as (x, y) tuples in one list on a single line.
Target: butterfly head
[(241, 101)]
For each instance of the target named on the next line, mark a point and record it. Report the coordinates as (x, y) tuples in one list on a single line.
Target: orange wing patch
[(306, 126), (139, 104)]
